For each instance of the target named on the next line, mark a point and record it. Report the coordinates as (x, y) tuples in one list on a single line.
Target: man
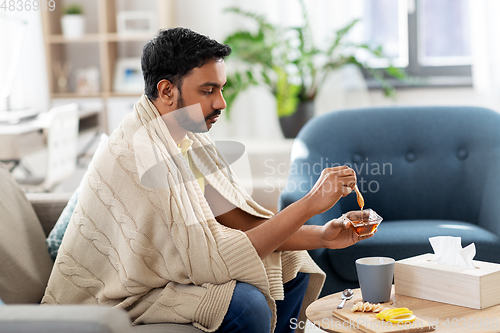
[(163, 229)]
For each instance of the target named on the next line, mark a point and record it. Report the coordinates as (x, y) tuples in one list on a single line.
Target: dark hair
[(173, 53)]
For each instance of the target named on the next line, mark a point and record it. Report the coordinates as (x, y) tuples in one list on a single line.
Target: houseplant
[(286, 61), (72, 21)]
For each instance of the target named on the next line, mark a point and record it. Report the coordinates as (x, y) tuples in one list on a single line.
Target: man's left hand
[(337, 234)]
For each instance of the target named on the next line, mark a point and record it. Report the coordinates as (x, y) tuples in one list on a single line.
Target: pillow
[(26, 264), (1, 302), (56, 234), (55, 237)]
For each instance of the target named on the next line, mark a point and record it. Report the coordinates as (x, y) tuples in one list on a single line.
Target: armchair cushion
[(25, 262)]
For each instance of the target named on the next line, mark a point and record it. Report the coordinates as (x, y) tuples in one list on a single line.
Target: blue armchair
[(428, 171)]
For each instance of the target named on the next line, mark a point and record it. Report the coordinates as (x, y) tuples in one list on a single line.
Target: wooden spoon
[(361, 200)]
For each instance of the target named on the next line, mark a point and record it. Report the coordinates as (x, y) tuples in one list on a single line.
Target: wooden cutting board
[(367, 322)]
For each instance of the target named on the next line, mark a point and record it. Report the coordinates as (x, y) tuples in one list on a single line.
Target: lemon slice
[(403, 319), (393, 313)]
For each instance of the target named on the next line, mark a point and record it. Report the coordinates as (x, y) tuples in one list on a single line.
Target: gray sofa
[(17, 253)]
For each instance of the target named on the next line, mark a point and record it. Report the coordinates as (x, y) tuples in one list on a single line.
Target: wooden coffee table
[(443, 317)]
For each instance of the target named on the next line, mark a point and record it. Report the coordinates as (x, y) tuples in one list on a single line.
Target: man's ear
[(166, 91)]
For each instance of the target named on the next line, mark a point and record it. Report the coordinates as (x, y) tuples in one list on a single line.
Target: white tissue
[(448, 251)]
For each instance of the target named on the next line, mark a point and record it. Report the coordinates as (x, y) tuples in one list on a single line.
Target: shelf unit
[(99, 47)]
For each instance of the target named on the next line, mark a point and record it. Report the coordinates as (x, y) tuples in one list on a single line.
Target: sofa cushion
[(165, 328), (26, 263), (404, 239), (28, 318), (56, 234)]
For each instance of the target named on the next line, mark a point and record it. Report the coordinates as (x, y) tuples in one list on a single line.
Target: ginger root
[(367, 307)]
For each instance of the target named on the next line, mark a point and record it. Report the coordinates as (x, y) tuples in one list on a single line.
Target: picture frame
[(87, 80), (128, 76), (136, 22)]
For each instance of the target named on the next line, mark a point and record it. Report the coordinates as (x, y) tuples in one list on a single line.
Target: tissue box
[(476, 288)]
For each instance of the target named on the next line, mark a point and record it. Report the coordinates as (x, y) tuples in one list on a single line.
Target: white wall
[(462, 96)]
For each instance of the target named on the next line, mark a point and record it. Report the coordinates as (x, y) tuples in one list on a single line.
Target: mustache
[(213, 114)]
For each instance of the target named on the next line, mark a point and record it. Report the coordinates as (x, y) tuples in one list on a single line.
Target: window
[(430, 39), (385, 23), (443, 33)]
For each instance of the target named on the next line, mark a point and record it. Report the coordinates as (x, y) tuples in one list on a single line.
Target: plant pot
[(291, 125), (73, 26)]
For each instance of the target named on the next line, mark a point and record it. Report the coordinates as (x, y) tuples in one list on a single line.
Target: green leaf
[(73, 9), (250, 48), (389, 91), (286, 94), (340, 34), (397, 73), (236, 83), (267, 80), (251, 78)]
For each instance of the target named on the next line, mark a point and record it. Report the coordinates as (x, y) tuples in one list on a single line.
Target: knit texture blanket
[(143, 237)]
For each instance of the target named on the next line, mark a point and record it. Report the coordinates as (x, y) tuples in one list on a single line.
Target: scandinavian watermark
[(307, 174)]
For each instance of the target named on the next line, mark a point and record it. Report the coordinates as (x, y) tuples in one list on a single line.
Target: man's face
[(200, 99)]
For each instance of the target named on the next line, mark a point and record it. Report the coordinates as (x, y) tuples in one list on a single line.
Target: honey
[(364, 222), (363, 229), (359, 196)]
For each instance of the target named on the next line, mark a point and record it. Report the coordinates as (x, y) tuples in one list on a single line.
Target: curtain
[(485, 26), (12, 34), (28, 89)]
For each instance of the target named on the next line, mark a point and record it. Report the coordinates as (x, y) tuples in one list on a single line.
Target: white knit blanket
[(143, 237)]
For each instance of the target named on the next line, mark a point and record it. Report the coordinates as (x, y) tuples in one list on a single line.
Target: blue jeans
[(249, 313)]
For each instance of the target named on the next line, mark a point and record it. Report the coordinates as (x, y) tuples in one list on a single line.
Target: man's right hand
[(332, 184), (268, 235)]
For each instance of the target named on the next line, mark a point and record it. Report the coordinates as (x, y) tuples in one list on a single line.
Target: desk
[(22, 139), (320, 313), (19, 140)]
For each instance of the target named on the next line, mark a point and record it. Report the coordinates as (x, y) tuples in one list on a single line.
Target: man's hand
[(280, 232), (332, 184), (337, 234)]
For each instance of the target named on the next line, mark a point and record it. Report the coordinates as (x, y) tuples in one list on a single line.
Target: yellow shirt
[(184, 145)]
